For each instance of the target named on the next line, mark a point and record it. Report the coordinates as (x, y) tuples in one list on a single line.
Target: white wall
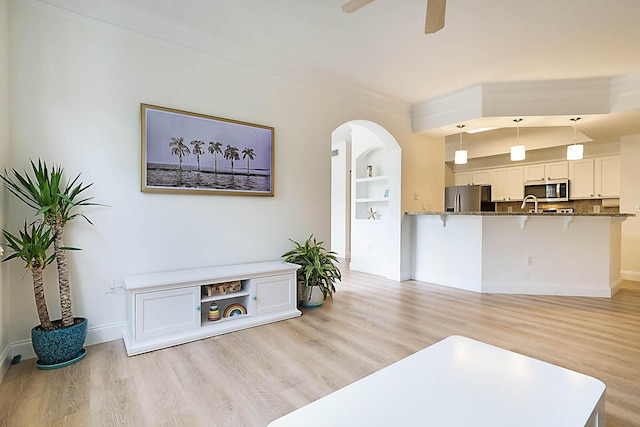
[(76, 89), (423, 174), (4, 156), (629, 200), (341, 199)]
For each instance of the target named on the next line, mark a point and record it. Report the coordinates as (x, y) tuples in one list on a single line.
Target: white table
[(460, 382)]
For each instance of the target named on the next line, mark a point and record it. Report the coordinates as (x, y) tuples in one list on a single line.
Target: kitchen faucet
[(535, 202)]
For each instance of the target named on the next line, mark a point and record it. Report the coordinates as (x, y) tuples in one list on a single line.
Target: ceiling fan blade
[(353, 5), (435, 16)]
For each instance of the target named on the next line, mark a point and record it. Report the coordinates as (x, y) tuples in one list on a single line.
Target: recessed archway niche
[(371, 222)]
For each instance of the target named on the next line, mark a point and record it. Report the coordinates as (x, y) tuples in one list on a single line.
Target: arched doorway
[(366, 198)]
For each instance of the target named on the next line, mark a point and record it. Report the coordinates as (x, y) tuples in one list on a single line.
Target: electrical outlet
[(415, 195), (529, 260), (109, 286)]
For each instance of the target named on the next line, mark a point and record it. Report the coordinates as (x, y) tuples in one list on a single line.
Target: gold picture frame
[(185, 152)]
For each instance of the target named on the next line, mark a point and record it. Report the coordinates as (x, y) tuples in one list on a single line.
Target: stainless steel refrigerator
[(468, 198)]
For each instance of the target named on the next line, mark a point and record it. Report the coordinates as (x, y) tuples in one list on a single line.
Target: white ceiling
[(383, 49)]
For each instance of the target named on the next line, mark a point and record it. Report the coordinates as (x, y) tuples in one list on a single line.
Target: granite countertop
[(605, 214)]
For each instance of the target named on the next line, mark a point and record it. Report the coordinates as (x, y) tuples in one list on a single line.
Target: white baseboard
[(95, 335), (105, 333), (634, 276), (22, 348), (605, 291), (367, 268), (5, 361)]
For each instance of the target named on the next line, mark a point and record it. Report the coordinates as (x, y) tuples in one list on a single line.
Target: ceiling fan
[(435, 12)]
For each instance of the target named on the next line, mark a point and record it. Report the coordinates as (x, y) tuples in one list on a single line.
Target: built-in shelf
[(373, 178), (373, 200), (225, 296), (371, 192), (210, 323)]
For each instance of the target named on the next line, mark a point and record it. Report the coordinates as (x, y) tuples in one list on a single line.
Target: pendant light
[(460, 155), (517, 151), (575, 151)]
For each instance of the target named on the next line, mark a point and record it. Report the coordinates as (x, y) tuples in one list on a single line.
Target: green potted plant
[(32, 247), (318, 271), (58, 342)]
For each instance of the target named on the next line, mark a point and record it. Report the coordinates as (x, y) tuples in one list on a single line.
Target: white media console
[(170, 308)]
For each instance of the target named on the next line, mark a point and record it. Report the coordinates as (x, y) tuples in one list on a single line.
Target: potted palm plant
[(32, 247), (318, 271), (58, 342)]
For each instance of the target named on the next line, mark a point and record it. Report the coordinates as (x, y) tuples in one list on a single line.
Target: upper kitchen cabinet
[(498, 185), (581, 179), (480, 178), (546, 171), (462, 178), (506, 184), (471, 178), (607, 177), (557, 170), (597, 178), (534, 173), (515, 183)]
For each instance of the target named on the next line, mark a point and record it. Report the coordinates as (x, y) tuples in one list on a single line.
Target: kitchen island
[(518, 253)]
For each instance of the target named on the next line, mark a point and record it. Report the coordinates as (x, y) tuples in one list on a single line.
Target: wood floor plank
[(251, 377), (20, 393)]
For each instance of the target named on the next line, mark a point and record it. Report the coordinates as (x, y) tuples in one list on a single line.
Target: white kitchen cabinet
[(546, 171), (170, 308), (507, 184), (462, 178), (514, 183), (480, 177), (581, 179), (597, 178), (534, 172), (498, 185), (607, 177), (557, 170)]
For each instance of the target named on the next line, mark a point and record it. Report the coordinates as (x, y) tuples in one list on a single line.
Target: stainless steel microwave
[(548, 191)]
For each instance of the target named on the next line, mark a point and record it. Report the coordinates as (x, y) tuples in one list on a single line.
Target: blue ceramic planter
[(61, 347)]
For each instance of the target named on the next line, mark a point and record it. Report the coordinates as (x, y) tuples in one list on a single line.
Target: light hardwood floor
[(251, 377)]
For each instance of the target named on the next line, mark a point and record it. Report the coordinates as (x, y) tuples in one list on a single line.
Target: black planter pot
[(61, 347)]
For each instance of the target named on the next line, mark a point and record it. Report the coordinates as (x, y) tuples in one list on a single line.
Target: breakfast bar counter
[(520, 253)]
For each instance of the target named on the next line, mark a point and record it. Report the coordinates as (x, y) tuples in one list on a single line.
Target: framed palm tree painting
[(195, 153)]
